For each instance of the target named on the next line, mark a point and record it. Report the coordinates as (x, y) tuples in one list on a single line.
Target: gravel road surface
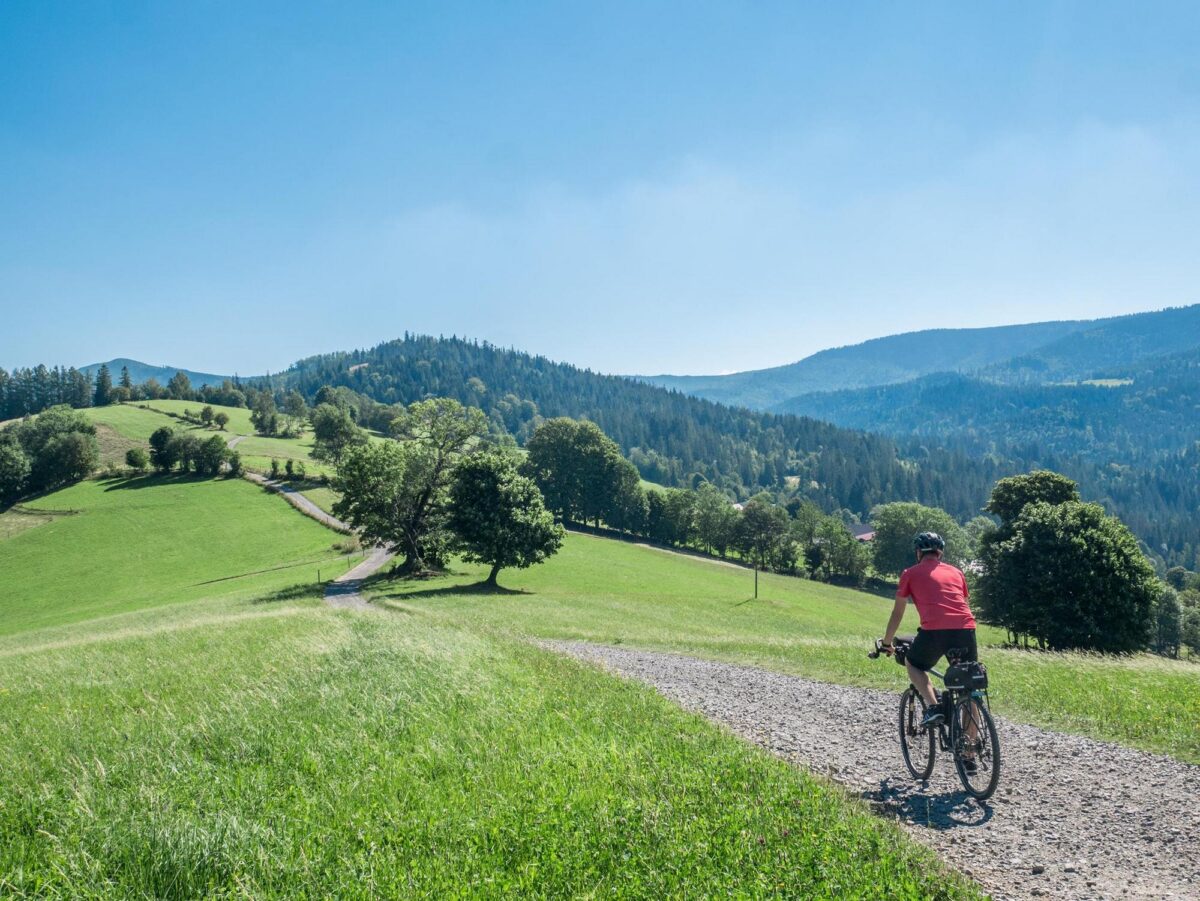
[(300, 502), (1074, 818)]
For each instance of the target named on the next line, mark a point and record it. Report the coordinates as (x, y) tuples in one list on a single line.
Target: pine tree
[(102, 396)]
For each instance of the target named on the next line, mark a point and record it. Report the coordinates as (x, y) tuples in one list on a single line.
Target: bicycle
[(967, 730)]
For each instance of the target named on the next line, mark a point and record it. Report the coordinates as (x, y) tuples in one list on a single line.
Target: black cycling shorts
[(931, 645)]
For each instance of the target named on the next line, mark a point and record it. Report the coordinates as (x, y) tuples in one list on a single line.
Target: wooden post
[(756, 581)]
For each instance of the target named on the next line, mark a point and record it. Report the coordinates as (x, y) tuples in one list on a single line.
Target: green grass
[(288, 750), (239, 417), (150, 541), (120, 427), (616, 593), (131, 421), (323, 497)]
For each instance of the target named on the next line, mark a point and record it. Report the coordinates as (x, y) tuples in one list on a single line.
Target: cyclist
[(939, 592)]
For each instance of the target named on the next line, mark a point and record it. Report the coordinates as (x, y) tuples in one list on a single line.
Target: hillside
[(1038, 353), (673, 439), (1105, 345), (1130, 439), (880, 361), (140, 372)]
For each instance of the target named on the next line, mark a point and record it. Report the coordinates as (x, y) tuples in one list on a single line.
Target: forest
[(673, 439)]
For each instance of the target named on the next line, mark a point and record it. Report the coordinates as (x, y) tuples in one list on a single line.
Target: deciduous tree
[(498, 516), (897, 524), (14, 467), (1069, 576), (137, 459)]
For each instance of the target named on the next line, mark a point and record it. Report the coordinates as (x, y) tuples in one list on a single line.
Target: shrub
[(137, 459)]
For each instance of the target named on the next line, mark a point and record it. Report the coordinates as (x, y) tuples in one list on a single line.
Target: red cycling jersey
[(939, 592)]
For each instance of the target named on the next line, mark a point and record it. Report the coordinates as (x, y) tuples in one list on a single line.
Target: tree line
[(1049, 568), (1130, 442), (29, 391), (39, 454)]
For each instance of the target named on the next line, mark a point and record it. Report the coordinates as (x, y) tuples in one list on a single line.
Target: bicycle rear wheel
[(973, 739), (916, 741)]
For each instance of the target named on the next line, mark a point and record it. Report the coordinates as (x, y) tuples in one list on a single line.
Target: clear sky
[(640, 187)]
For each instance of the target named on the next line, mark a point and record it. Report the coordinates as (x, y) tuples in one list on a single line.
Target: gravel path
[(300, 502), (234, 441), (1073, 818), (343, 591)]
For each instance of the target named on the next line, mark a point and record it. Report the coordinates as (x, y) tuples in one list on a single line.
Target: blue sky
[(632, 187)]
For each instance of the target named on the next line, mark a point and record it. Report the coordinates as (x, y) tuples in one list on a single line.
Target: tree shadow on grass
[(934, 810), (291, 593), (474, 588), (151, 480)]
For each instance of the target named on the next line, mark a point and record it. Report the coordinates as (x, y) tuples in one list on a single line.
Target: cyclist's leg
[(922, 656), (974, 717), (921, 682)]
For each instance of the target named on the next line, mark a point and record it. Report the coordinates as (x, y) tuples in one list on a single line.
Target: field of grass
[(125, 425), (218, 736), (239, 417), (323, 497), (120, 427), (611, 592), (151, 541), (131, 421), (288, 750)]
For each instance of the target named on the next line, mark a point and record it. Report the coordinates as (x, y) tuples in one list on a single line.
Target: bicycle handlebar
[(898, 644)]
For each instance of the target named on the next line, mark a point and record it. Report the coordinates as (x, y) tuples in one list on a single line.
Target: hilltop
[(140, 372)]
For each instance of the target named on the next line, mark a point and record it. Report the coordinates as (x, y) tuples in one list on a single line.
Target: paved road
[(300, 502), (1074, 818), (343, 591)]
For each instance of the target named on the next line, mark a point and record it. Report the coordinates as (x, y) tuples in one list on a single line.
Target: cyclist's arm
[(894, 620)]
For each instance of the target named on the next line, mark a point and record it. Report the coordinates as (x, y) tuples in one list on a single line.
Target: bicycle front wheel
[(976, 747), (916, 741)]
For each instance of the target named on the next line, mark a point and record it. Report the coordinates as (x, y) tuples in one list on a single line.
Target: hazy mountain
[(1104, 345), (881, 361), (139, 372), (1040, 352)]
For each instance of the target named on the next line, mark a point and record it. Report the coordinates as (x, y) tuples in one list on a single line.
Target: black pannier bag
[(967, 676)]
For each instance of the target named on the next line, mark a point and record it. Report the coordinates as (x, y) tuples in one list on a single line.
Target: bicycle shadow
[(919, 806)]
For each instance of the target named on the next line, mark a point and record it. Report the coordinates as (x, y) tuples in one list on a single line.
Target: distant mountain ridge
[(1033, 353), (140, 372)]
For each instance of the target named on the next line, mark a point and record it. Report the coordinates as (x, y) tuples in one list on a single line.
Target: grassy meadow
[(122, 545), (215, 736), (612, 592), (121, 426)]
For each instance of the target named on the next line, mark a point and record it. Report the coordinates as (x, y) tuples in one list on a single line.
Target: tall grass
[(293, 751)]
